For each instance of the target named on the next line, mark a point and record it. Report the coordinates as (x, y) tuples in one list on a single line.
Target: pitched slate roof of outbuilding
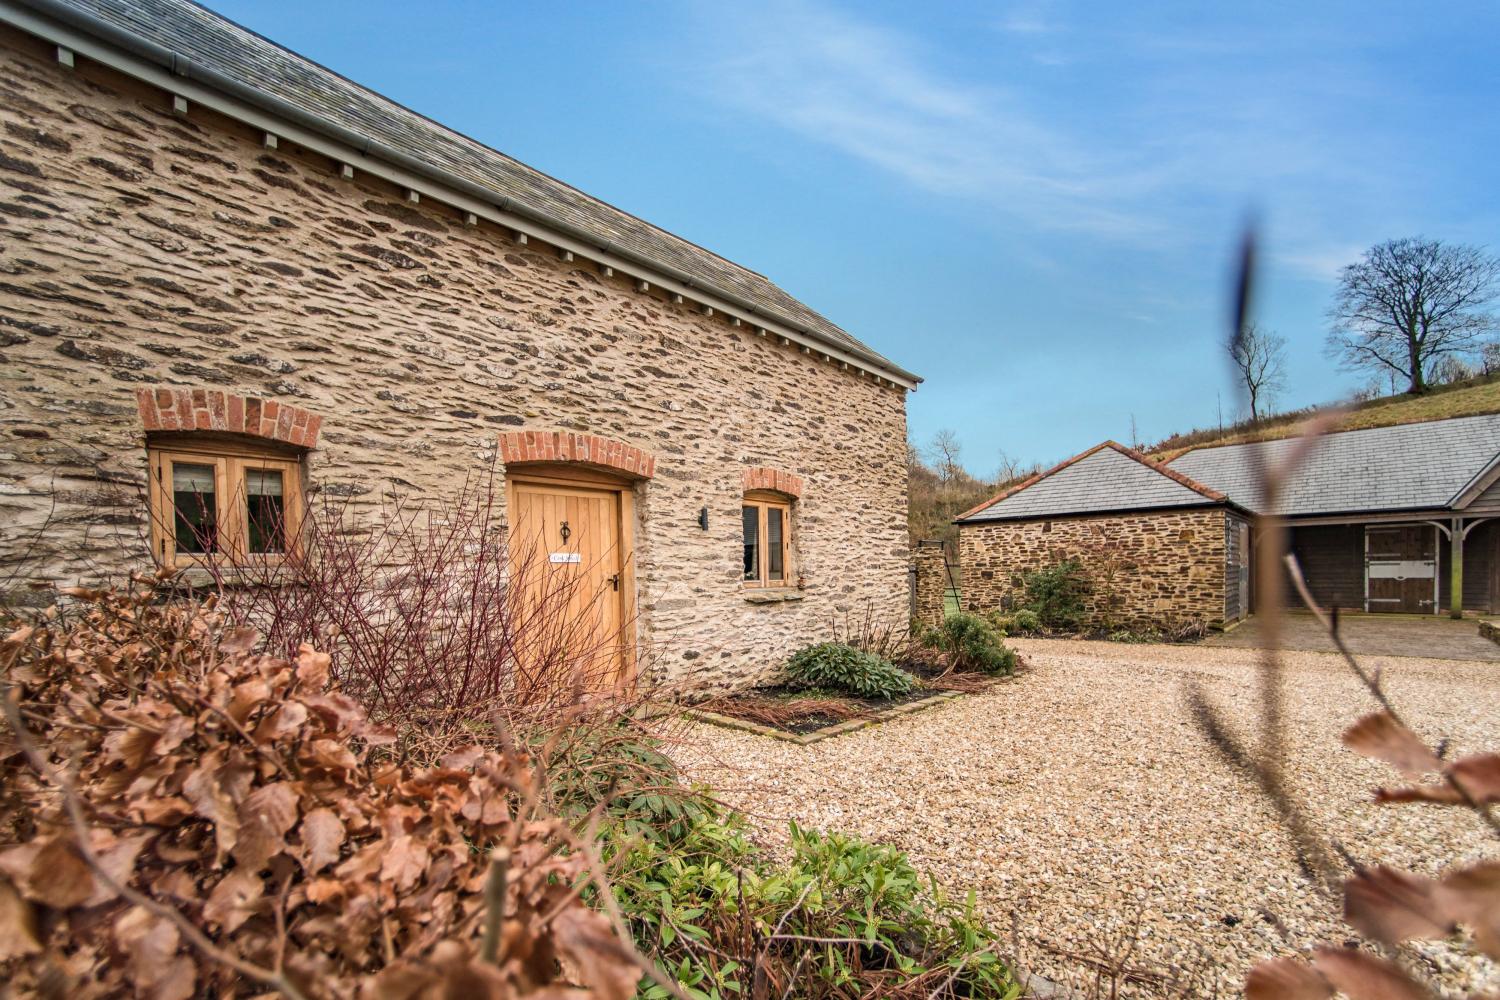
[(199, 38), (1403, 467), (1107, 477)]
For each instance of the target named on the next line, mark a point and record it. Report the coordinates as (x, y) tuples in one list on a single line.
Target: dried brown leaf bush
[(183, 816)]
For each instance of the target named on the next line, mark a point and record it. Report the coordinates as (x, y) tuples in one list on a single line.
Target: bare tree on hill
[(1259, 358), (1010, 468), (1407, 303), (945, 453)]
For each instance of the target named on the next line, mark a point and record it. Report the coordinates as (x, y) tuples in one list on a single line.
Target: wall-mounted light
[(703, 518)]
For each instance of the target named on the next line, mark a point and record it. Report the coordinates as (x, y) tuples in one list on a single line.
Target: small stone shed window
[(767, 519), (223, 503)]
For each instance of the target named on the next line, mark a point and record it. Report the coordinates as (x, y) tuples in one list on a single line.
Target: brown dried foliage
[(183, 816), (769, 711)]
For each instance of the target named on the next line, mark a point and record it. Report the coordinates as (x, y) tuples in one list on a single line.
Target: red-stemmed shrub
[(432, 612)]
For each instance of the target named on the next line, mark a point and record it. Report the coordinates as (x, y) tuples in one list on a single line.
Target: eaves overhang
[(108, 44)]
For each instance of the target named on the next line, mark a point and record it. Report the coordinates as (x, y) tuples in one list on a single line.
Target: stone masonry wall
[(931, 581), (1171, 562), (145, 250)]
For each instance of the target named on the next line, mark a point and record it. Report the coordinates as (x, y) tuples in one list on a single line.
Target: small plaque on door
[(565, 557)]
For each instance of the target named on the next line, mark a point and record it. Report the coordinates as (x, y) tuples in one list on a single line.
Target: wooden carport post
[(1456, 568)]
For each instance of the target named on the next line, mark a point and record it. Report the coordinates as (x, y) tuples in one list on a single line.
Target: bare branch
[(494, 904), (1371, 681)]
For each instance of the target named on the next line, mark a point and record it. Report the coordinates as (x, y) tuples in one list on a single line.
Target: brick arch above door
[(584, 449)]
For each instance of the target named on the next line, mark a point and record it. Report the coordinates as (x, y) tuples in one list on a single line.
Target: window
[(214, 502), (767, 519)]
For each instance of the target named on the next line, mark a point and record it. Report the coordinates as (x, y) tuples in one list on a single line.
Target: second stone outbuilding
[(1164, 550), (1395, 519)]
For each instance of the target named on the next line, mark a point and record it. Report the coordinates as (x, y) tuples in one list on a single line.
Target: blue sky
[(1031, 204)]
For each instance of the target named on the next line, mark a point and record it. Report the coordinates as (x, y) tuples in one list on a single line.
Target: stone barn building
[(232, 280), (1172, 549), (1388, 519)]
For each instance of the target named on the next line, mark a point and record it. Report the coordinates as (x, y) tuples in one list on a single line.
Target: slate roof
[(1423, 466), (1405, 467), (1107, 477), (197, 37)]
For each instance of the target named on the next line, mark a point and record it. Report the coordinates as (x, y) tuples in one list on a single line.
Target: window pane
[(263, 482), (751, 516), (773, 543), (265, 510), (194, 512)]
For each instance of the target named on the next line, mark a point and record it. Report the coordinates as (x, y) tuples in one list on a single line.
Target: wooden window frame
[(764, 500), (230, 463)]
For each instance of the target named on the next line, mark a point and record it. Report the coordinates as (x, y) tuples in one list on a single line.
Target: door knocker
[(565, 531)]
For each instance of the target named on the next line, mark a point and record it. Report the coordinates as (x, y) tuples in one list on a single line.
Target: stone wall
[(1170, 564), (930, 573), (145, 250)]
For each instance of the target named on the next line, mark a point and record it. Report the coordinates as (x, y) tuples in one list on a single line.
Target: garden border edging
[(838, 729), (828, 732)]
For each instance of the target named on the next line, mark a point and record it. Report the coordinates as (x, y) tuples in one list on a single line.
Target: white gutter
[(82, 33)]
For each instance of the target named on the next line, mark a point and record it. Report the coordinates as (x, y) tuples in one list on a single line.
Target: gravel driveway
[(1081, 797)]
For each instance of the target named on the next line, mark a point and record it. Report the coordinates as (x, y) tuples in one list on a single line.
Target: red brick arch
[(587, 449), (763, 477), (164, 409)]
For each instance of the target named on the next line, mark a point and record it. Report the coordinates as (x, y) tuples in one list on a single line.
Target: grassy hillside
[(934, 503), (936, 500), (1461, 399)]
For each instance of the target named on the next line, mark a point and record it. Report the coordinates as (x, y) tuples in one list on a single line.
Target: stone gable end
[(1173, 571)]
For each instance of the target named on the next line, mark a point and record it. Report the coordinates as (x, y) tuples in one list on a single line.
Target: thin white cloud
[(865, 90), (1190, 128), (1321, 262), (1027, 19)]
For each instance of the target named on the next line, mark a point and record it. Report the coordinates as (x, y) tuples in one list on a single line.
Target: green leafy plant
[(1056, 593), (1000, 622), (841, 919), (1025, 622), (619, 768), (840, 667), (975, 645)]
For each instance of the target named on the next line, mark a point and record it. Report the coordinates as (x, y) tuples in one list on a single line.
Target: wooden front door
[(1401, 568), (571, 544)]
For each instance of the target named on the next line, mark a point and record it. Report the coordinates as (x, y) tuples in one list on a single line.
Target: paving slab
[(1431, 637)]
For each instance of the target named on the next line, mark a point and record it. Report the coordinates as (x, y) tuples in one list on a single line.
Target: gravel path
[(1082, 798)]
